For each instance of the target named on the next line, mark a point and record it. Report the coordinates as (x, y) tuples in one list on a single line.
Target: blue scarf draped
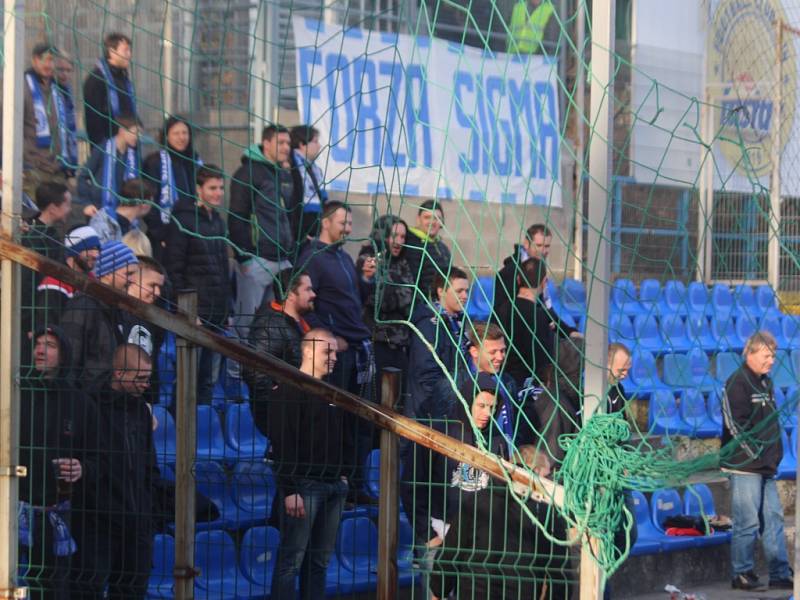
[(110, 185), (43, 138), (113, 91), (313, 194), (66, 126), (169, 189), (63, 542)]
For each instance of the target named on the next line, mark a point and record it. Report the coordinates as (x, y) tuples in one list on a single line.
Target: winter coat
[(258, 221), (339, 288), (184, 169), (389, 299), (100, 125), (530, 338), (430, 392), (90, 177), (196, 257), (750, 423), (426, 257), (276, 333)]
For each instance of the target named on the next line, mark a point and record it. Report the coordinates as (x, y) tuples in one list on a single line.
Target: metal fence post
[(186, 426), (14, 55), (388, 504)]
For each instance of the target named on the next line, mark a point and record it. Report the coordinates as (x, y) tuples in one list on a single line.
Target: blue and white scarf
[(313, 194), (43, 137), (66, 126), (113, 91), (169, 189), (63, 542), (109, 173)]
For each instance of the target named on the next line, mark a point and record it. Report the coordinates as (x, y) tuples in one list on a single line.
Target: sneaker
[(745, 581), (784, 583)]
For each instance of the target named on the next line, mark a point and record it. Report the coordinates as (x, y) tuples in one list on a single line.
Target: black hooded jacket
[(99, 122), (196, 257), (56, 421)]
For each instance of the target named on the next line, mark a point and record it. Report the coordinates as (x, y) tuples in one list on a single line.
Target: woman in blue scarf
[(173, 170)]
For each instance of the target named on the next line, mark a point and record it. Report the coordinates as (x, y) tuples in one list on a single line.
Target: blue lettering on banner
[(309, 58), (445, 192), (755, 114), (393, 157), (470, 162), (369, 122), (417, 115)]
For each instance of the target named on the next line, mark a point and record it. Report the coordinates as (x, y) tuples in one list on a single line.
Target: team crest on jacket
[(469, 479)]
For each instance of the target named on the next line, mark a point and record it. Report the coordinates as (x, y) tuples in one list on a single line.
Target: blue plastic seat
[(691, 370), (745, 327), (726, 363), (553, 296), (573, 298), (161, 581), (667, 503), (787, 469), (258, 554), (674, 299), (164, 435), (698, 331), (663, 416), (166, 374), (783, 373), (620, 330), (787, 407), (254, 490), (373, 473), (212, 481), (220, 576), (481, 298), (698, 501), (357, 551), (210, 439), (699, 299), (648, 337), (790, 327), (648, 539), (674, 334), (714, 403), (242, 436), (650, 296), (745, 302), (694, 413), (722, 301), (643, 377), (766, 299), (623, 298), (772, 322), (724, 333)]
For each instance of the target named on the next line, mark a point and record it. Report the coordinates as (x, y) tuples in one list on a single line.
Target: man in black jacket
[(196, 257), (259, 222), (313, 462), (94, 328), (426, 252), (115, 541), (277, 330), (57, 445), (751, 452), (108, 91)]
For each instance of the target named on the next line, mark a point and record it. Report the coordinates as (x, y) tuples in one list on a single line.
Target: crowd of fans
[(273, 274)]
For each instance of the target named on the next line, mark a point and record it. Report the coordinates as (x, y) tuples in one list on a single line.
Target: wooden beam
[(388, 503)]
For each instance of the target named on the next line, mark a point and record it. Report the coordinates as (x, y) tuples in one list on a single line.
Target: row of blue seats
[(238, 439), (694, 370), (674, 333), (697, 501), (569, 299), (228, 573)]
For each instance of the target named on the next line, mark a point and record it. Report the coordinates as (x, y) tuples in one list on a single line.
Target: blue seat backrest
[(163, 555), (573, 292), (726, 364), (766, 299), (745, 299), (700, 365), (722, 299), (699, 301), (790, 325), (258, 553), (746, 326), (255, 485), (649, 293), (675, 297), (643, 366), (623, 292), (697, 500), (358, 543), (665, 503), (164, 436), (645, 326), (215, 557), (677, 370), (620, 327), (772, 323), (663, 405), (693, 405)]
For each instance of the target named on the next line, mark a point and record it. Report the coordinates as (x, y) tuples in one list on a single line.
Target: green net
[(457, 135)]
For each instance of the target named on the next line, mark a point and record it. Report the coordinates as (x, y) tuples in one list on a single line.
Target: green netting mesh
[(482, 107)]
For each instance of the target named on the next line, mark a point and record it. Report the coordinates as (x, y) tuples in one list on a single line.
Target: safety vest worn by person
[(527, 29)]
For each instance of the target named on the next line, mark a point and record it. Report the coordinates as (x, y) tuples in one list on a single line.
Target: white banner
[(426, 117)]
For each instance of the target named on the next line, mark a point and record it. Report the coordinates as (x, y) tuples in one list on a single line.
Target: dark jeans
[(114, 554), (46, 574), (307, 543)]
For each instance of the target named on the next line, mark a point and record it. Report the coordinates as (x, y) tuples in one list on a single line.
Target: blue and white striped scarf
[(113, 91), (110, 185)]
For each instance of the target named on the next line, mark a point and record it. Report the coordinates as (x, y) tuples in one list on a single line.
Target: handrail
[(383, 417)]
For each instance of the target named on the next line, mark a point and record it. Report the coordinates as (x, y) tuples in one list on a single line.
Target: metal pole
[(388, 505), (273, 59), (168, 62), (580, 138), (14, 52), (774, 230), (600, 188), (186, 446)]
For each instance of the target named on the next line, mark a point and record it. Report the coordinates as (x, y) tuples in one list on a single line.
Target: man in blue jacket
[(340, 291)]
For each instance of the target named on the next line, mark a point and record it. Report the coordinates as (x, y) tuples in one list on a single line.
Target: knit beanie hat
[(80, 239), (114, 255)]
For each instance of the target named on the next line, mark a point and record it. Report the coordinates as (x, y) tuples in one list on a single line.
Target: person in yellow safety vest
[(528, 21)]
